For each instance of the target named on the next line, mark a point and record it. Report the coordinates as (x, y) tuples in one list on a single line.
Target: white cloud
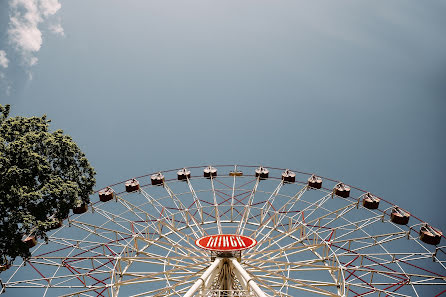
[(49, 7), (57, 29), (3, 60), (23, 32)]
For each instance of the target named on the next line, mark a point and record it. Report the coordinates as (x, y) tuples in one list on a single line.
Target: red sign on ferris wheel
[(225, 242)]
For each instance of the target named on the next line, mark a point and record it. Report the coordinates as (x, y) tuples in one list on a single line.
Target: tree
[(43, 175)]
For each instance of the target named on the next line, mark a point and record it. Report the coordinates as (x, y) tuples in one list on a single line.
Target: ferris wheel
[(233, 230)]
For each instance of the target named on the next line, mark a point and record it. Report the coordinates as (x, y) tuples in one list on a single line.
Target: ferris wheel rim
[(256, 166)]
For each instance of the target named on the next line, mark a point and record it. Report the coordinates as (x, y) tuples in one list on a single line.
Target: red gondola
[(430, 235), (81, 208), (369, 201), (210, 171), (342, 190), (315, 182), (399, 216), (183, 174), (262, 172), (132, 185), (289, 176), (106, 194), (30, 241), (157, 179)]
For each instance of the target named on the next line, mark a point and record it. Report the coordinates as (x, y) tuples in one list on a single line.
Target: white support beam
[(202, 280), (247, 278)]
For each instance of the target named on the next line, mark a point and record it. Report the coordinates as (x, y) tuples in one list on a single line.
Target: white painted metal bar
[(247, 209), (217, 212), (248, 279), (202, 280)]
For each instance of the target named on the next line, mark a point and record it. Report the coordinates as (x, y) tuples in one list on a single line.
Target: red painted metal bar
[(71, 270), (442, 292), (38, 272), (416, 266)]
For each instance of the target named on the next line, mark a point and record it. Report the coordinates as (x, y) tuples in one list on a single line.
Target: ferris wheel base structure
[(225, 268), (233, 230)]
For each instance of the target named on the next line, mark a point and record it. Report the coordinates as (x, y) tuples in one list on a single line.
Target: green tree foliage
[(43, 175)]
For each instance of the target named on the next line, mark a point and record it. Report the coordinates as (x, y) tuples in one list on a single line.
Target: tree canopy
[(43, 175)]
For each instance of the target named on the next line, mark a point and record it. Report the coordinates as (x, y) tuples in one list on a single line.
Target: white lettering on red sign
[(225, 242)]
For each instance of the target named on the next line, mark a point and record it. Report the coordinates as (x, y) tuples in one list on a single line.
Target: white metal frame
[(308, 241)]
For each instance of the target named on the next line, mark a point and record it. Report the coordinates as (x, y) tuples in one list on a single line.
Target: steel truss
[(310, 242)]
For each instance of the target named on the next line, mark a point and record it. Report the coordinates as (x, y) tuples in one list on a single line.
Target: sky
[(351, 90)]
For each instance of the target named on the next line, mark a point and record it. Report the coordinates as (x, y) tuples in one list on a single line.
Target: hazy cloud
[(23, 32), (3, 60), (49, 7), (57, 29), (5, 85)]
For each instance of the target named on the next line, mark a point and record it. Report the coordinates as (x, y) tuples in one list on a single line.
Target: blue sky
[(352, 90)]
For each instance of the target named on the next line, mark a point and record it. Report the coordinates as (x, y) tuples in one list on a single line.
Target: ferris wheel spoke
[(278, 282), (369, 290), (233, 193), (282, 251), (92, 247), (151, 258), (216, 209), (368, 241), (333, 234), (278, 214), (149, 220), (380, 243), (182, 236), (170, 224), (131, 208), (93, 229), (234, 212), (395, 275), (149, 276), (170, 246), (338, 214), (115, 219), (315, 285), (154, 202), (297, 244), (247, 209), (163, 211), (196, 200), (282, 212), (185, 213), (288, 206), (89, 290), (274, 240), (168, 291), (311, 208), (292, 227), (303, 265), (270, 201)]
